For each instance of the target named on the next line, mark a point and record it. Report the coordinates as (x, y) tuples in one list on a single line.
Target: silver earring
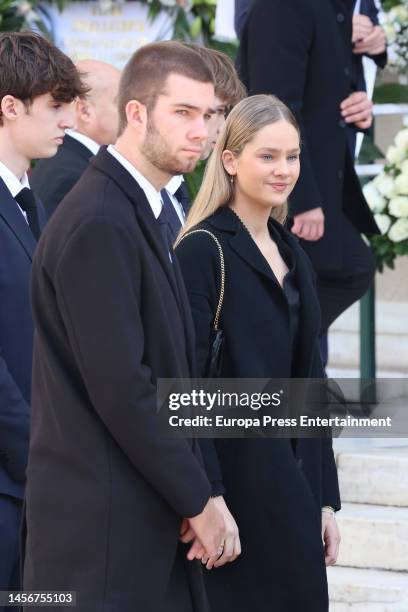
[(231, 179)]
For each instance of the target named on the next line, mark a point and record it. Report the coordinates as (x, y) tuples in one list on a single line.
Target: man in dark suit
[(300, 50), (241, 13), (35, 111), (369, 40), (107, 495), (228, 92), (96, 124)]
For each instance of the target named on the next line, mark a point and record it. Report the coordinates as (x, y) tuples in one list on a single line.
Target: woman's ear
[(229, 162)]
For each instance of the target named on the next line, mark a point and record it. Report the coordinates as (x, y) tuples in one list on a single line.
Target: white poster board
[(111, 33)]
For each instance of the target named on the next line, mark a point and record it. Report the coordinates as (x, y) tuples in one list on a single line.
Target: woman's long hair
[(245, 120)]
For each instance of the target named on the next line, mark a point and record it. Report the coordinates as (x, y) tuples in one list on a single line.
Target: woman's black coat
[(274, 489)]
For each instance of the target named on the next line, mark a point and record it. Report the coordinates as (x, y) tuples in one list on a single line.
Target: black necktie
[(172, 217), (183, 197), (165, 229), (26, 200)]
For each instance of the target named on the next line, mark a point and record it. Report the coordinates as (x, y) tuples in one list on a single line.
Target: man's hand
[(232, 544), (362, 27), (309, 225), (357, 109), (372, 44), (208, 530), (331, 538)]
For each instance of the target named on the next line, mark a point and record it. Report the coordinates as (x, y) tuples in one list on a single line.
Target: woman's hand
[(232, 544), (331, 538)]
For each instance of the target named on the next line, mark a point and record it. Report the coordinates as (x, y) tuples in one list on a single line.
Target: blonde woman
[(280, 494)]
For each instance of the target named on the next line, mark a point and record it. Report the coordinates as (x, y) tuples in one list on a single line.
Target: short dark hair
[(228, 86), (145, 75), (30, 66)]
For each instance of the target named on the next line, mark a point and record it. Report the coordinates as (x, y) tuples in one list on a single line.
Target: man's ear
[(12, 108), (136, 114), (83, 110), (229, 161)]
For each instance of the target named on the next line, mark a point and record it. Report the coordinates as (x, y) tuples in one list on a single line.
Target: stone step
[(391, 338), (362, 590), (373, 537), (373, 474)]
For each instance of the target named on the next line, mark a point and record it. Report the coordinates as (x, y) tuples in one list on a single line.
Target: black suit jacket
[(106, 491), (54, 177), (17, 245), (300, 50)]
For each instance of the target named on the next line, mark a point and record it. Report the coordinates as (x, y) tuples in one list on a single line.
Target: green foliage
[(194, 179), (391, 93), (386, 251), (389, 4)]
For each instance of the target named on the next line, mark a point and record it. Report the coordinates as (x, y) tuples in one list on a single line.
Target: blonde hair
[(244, 122)]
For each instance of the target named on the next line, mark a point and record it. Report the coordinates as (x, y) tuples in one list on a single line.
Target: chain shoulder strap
[(222, 267)]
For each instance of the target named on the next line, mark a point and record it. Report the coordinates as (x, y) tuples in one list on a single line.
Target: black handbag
[(216, 351)]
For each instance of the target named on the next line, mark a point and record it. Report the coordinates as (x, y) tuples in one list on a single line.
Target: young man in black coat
[(301, 51), (96, 124), (108, 495), (34, 112)]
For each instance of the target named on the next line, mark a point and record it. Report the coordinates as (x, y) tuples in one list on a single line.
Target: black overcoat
[(274, 493), (105, 492), (300, 51)]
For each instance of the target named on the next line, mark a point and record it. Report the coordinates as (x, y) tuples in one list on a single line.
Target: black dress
[(273, 487)]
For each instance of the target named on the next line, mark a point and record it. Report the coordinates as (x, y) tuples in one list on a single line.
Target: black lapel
[(309, 310), (106, 163), (186, 314), (14, 218), (246, 248), (241, 241)]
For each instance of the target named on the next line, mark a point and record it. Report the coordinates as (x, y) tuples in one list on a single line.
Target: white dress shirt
[(172, 186), (151, 193), (85, 140), (13, 184)]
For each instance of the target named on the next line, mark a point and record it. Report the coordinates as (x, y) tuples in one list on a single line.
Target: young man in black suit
[(301, 51), (96, 124), (108, 496), (228, 92), (37, 85)]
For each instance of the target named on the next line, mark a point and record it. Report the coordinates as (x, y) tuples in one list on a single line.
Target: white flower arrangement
[(387, 196), (396, 29)]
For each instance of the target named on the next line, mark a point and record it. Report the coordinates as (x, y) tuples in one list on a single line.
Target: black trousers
[(339, 289)]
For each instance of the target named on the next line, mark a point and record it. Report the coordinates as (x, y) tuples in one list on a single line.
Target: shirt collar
[(89, 143), (152, 195), (13, 184), (174, 183)]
